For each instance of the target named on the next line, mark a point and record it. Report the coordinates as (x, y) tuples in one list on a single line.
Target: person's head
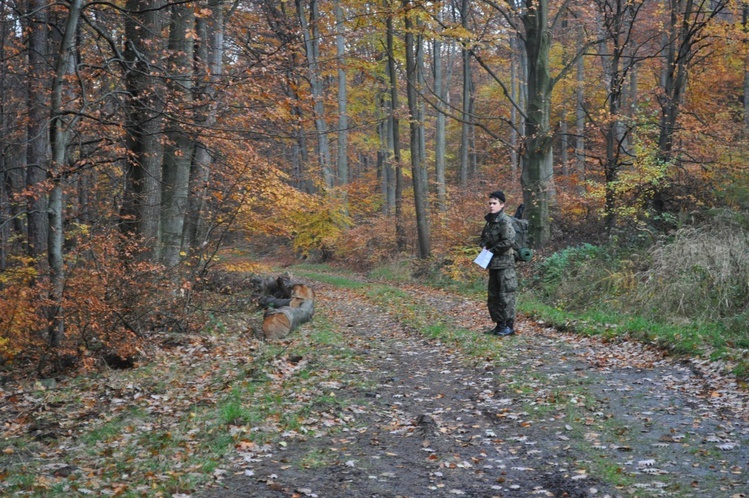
[(496, 201)]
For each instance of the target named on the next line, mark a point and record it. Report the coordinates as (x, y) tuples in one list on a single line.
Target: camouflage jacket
[(498, 236)]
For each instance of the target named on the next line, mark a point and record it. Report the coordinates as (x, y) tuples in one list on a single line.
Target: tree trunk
[(210, 56), (295, 301), (745, 24), (278, 323), (179, 148), (689, 19), (342, 160), (439, 140), (465, 127), (141, 202), (400, 231), (616, 18), (580, 111), (420, 85), (312, 48), (537, 175), (387, 174), (515, 125), (298, 151), (610, 126), (12, 159), (59, 141), (37, 151), (564, 142), (417, 161)]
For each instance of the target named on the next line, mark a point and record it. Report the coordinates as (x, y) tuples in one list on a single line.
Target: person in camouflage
[(498, 237)]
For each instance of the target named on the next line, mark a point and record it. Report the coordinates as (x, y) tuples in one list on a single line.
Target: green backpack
[(522, 251)]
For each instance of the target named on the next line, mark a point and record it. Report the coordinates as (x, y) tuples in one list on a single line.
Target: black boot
[(506, 328), (495, 330)]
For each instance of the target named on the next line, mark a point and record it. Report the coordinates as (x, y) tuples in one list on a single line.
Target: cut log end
[(276, 326), (278, 323), (302, 292), (295, 309)]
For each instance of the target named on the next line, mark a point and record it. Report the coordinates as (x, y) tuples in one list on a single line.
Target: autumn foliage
[(149, 140)]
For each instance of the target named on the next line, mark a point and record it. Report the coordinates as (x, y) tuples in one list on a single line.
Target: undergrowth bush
[(570, 277), (17, 320), (368, 244), (701, 273), (111, 302), (698, 274)]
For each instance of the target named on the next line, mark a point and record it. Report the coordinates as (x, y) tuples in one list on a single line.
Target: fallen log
[(278, 323), (276, 287), (273, 302), (287, 305), (294, 296), (302, 292)]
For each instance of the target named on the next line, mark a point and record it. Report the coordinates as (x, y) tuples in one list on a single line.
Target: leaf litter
[(435, 421), (386, 411)]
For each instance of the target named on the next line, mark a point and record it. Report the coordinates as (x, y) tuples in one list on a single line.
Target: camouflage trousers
[(501, 294)]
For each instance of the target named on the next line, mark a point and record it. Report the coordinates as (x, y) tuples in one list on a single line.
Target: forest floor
[(544, 414), (390, 391)]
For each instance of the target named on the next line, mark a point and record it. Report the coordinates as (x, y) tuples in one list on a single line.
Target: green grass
[(686, 339), (398, 271), (324, 333), (324, 274), (105, 432), (610, 472), (232, 412), (317, 459), (593, 308), (248, 403)]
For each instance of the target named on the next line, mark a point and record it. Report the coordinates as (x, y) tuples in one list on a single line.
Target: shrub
[(111, 302), (18, 320), (566, 276), (369, 244), (699, 274)]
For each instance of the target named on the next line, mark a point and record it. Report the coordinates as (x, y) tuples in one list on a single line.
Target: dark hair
[(498, 194)]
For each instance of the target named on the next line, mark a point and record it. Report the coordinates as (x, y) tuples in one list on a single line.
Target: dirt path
[(549, 415)]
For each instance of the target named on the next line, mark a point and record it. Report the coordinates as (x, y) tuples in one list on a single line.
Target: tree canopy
[(140, 137)]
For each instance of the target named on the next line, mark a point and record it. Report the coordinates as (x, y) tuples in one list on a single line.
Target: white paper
[(483, 258)]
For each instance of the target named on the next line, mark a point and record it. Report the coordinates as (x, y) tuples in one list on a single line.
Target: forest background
[(140, 139)]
